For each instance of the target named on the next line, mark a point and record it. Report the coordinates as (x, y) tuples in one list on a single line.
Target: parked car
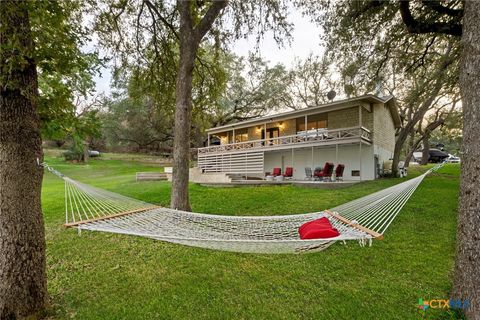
[(93, 153), (435, 156), (452, 159)]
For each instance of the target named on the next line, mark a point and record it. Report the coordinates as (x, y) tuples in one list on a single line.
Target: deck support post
[(360, 160), (312, 160), (246, 165), (293, 163), (265, 134), (336, 154), (360, 133), (306, 129)]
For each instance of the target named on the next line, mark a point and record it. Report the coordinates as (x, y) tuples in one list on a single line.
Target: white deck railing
[(310, 136)]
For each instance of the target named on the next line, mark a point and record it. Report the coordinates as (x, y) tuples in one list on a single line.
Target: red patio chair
[(288, 172), (277, 172), (326, 173), (339, 171)]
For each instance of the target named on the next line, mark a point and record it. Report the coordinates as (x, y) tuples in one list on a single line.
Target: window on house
[(300, 124), (316, 121), (241, 135), (223, 137)]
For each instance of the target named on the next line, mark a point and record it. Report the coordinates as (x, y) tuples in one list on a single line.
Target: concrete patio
[(299, 183)]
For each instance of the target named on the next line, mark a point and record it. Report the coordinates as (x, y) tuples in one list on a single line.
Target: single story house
[(357, 132)]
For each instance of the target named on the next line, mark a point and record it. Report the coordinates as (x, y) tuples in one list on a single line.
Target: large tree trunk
[(409, 156), (411, 147), (22, 239), (426, 149), (467, 267), (190, 38), (425, 135), (183, 93), (397, 151)]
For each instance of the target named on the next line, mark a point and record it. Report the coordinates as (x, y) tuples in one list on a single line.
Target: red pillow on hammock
[(321, 222), (318, 229)]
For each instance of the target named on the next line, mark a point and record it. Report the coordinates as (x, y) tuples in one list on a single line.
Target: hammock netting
[(91, 208)]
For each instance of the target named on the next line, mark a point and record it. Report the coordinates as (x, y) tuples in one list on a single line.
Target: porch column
[(360, 116), (233, 139), (246, 165), (336, 153), (312, 160), (306, 122), (360, 147), (293, 163), (360, 136), (208, 143)]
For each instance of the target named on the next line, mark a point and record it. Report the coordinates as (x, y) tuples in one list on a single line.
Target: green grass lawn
[(107, 276)]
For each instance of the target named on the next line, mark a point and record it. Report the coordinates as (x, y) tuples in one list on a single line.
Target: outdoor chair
[(308, 173), (326, 173), (316, 173), (288, 173), (276, 172), (339, 171)]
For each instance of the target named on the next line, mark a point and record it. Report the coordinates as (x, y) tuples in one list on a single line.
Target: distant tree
[(443, 113), (450, 133), (85, 126), (377, 53), (253, 89), (136, 124), (310, 80)]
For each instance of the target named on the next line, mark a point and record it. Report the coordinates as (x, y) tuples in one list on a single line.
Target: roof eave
[(392, 106), (368, 98)]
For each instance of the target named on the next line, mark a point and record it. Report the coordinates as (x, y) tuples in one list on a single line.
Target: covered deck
[(301, 139), (256, 159)]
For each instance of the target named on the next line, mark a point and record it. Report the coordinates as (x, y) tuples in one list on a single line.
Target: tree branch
[(436, 6), (415, 26), (170, 26), (207, 21)]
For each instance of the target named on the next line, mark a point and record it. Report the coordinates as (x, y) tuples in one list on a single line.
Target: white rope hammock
[(363, 219)]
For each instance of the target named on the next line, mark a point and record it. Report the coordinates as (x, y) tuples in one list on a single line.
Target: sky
[(305, 40)]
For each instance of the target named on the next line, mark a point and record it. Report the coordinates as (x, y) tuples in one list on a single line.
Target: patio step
[(236, 177)]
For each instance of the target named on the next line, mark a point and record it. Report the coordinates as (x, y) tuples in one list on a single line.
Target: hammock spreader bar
[(112, 216), (355, 225)]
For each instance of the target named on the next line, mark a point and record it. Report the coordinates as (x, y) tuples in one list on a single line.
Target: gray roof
[(369, 98)]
